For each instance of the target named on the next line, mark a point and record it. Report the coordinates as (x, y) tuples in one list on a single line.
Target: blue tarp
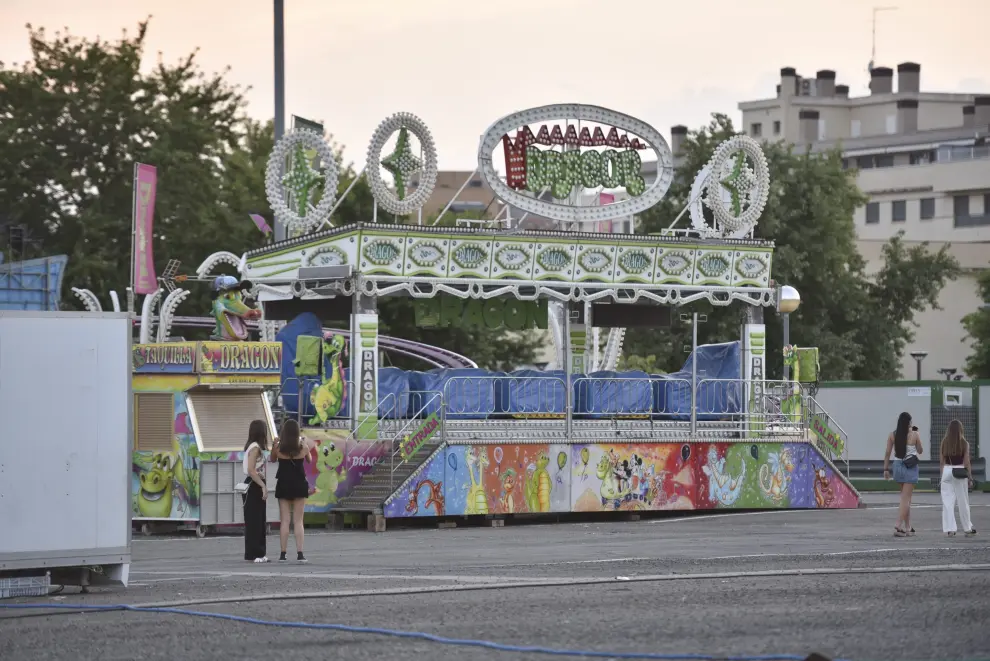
[(608, 394), (468, 393), (720, 390), (34, 284), (531, 392), (306, 323)]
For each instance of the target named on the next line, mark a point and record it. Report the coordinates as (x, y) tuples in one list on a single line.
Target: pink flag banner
[(145, 187), (605, 226), (261, 223)]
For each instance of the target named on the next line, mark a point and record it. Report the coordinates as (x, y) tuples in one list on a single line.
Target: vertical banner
[(143, 275), (754, 365), (364, 375)]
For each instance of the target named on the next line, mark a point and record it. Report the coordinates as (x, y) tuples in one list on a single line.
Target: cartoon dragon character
[(154, 499), (606, 472), (328, 397), (790, 406), (506, 500), (231, 308), (722, 487), (477, 499), (328, 468), (538, 485), (434, 499), (187, 468), (775, 475), (824, 495)]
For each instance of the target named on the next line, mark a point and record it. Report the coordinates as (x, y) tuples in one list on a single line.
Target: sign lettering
[(173, 357), (412, 444), (247, 357), (450, 311)]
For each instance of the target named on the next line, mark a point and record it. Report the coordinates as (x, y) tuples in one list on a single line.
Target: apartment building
[(923, 159)]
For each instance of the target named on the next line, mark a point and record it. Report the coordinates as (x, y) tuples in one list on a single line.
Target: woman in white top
[(905, 444), (255, 525)]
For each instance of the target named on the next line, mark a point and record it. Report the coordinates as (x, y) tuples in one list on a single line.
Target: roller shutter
[(155, 421), (223, 418)]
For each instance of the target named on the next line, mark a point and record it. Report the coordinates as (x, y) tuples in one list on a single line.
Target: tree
[(860, 325), (977, 325), (80, 113)]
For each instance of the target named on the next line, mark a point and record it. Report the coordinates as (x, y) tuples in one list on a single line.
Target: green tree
[(77, 116), (860, 325), (977, 325)]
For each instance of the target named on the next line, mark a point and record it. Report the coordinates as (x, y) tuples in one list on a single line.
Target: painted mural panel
[(425, 494), (325, 468), (507, 479), (165, 485), (629, 477)]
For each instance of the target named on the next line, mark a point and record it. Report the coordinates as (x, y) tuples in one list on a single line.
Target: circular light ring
[(167, 311), (387, 199), (273, 179), (757, 195), (214, 260), (88, 299), (492, 139)]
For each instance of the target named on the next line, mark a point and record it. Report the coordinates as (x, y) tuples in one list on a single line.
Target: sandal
[(911, 533), (971, 533), (951, 534), (899, 533)]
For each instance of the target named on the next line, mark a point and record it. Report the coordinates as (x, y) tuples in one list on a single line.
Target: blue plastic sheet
[(531, 392), (720, 388), (610, 394)]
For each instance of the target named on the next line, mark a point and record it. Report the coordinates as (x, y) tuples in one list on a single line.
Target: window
[(475, 183), (220, 417), (927, 208), (864, 162), (776, 127), (884, 160), (756, 129), (821, 129), (960, 206), (891, 124), (922, 157), (898, 211), (872, 213), (154, 421), (845, 164), (986, 204), (855, 128)]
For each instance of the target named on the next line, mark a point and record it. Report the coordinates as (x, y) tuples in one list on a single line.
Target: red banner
[(145, 187)]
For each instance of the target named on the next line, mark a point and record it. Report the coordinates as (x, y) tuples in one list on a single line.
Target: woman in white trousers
[(954, 459)]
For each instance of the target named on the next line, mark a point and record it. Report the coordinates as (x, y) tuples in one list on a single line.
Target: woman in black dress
[(291, 488)]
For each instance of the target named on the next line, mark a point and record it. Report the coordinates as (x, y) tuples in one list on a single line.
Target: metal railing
[(815, 411), (434, 404)]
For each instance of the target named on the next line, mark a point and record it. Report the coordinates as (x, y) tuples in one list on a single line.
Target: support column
[(754, 338), (364, 367), (577, 340)]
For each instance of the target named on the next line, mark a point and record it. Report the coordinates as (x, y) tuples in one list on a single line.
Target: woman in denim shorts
[(905, 445)]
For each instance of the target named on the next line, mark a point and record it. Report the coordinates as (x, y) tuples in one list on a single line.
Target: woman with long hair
[(256, 496), (957, 477), (292, 487), (905, 444)]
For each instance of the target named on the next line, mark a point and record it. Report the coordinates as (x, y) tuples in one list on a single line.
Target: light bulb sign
[(588, 158)]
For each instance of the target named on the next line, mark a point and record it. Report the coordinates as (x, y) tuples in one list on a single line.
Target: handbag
[(960, 473), (910, 461), (242, 487)]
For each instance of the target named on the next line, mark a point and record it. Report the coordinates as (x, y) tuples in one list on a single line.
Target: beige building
[(924, 161)]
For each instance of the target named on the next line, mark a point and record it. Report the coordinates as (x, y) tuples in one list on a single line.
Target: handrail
[(418, 419)]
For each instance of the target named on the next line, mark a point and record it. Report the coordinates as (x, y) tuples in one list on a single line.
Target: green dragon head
[(790, 355), (155, 495), (231, 308), (333, 345)]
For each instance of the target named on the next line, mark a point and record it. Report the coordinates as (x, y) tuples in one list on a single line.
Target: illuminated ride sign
[(581, 163)]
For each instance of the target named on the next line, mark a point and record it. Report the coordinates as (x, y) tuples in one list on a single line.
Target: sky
[(462, 64)]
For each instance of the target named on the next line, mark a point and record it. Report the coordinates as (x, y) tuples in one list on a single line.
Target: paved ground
[(836, 582)]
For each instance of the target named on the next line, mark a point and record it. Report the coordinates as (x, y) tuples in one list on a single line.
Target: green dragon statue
[(231, 308), (328, 397), (790, 406)]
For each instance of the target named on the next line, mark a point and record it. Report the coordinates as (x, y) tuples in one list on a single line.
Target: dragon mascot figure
[(231, 308), (791, 406)]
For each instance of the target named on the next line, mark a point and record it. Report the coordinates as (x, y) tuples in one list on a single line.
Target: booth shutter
[(223, 418), (155, 420)]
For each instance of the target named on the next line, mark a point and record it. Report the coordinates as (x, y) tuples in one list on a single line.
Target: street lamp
[(948, 372), (279, 228), (788, 300), (918, 357)]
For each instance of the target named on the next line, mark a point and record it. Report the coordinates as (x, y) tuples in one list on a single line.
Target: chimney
[(882, 80), (825, 82), (842, 90), (969, 117), (907, 115), (981, 113), (808, 120), (908, 78), (788, 82), (778, 90), (677, 135)]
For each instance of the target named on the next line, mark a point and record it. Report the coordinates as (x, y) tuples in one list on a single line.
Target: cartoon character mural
[(775, 475), (641, 476), (328, 398), (723, 488), (165, 483), (425, 495), (824, 494), (539, 485), (329, 467), (477, 500), (231, 308), (154, 498)]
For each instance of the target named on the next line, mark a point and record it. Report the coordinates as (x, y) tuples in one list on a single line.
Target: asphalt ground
[(835, 582)]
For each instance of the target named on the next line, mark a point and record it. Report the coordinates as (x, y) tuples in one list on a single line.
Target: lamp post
[(278, 227), (788, 300), (918, 357)]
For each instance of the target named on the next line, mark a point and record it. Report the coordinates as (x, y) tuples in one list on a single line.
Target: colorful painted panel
[(169, 358), (424, 495), (325, 469), (507, 479), (234, 357), (165, 485), (646, 476)]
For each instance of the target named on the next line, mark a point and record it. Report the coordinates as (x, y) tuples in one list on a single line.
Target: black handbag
[(960, 473), (910, 462)]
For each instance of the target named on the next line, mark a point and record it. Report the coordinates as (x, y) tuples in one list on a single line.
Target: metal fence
[(942, 416)]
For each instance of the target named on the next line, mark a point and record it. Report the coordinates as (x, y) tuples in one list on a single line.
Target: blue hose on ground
[(417, 635)]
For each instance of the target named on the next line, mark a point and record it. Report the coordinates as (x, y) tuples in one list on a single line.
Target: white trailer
[(65, 446)]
